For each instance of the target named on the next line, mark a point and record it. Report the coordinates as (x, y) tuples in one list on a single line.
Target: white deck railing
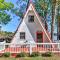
[(31, 47)]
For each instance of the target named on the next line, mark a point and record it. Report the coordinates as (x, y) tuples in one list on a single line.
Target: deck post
[(30, 49)]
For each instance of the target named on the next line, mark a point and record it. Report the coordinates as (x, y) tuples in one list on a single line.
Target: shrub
[(6, 54), (34, 54), (22, 54), (47, 54)]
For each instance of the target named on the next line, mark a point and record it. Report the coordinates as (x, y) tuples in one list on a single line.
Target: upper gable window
[(31, 18)]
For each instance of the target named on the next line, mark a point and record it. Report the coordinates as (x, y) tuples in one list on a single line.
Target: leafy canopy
[(4, 18), (5, 6)]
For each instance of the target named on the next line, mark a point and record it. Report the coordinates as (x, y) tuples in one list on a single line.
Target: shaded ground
[(32, 58)]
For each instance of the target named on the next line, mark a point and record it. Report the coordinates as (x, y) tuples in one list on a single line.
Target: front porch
[(28, 48)]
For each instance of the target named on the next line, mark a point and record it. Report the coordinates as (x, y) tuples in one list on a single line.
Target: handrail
[(27, 43)]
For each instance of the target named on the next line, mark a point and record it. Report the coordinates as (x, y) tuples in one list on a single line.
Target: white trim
[(31, 43)]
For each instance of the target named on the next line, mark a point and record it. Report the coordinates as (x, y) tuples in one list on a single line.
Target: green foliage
[(22, 54), (1, 1), (7, 36), (40, 5), (43, 4), (5, 33), (6, 54), (34, 54), (2, 6), (5, 5), (4, 17), (8, 5), (47, 54), (18, 12)]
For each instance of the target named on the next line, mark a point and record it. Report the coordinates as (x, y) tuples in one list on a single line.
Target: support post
[(30, 49)]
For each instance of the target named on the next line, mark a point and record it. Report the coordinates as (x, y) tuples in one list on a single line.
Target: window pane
[(22, 35), (31, 18)]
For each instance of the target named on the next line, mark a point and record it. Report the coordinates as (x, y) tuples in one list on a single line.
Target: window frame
[(31, 18), (22, 35)]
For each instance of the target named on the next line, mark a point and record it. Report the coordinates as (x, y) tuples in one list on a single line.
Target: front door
[(39, 37)]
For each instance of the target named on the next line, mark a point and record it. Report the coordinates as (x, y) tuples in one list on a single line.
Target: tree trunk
[(54, 14), (52, 24), (0, 28), (58, 27), (58, 22)]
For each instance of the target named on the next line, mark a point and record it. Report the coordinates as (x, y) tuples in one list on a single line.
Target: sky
[(13, 24)]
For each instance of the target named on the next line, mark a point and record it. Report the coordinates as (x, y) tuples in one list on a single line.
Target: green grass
[(40, 58), (31, 58), (5, 58)]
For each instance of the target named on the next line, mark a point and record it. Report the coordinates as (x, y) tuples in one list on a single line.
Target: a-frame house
[(32, 29)]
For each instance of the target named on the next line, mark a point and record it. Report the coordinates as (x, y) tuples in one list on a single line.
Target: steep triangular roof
[(31, 6)]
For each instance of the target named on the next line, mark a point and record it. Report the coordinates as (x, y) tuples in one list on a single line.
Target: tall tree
[(55, 4), (58, 22), (52, 21), (5, 6)]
